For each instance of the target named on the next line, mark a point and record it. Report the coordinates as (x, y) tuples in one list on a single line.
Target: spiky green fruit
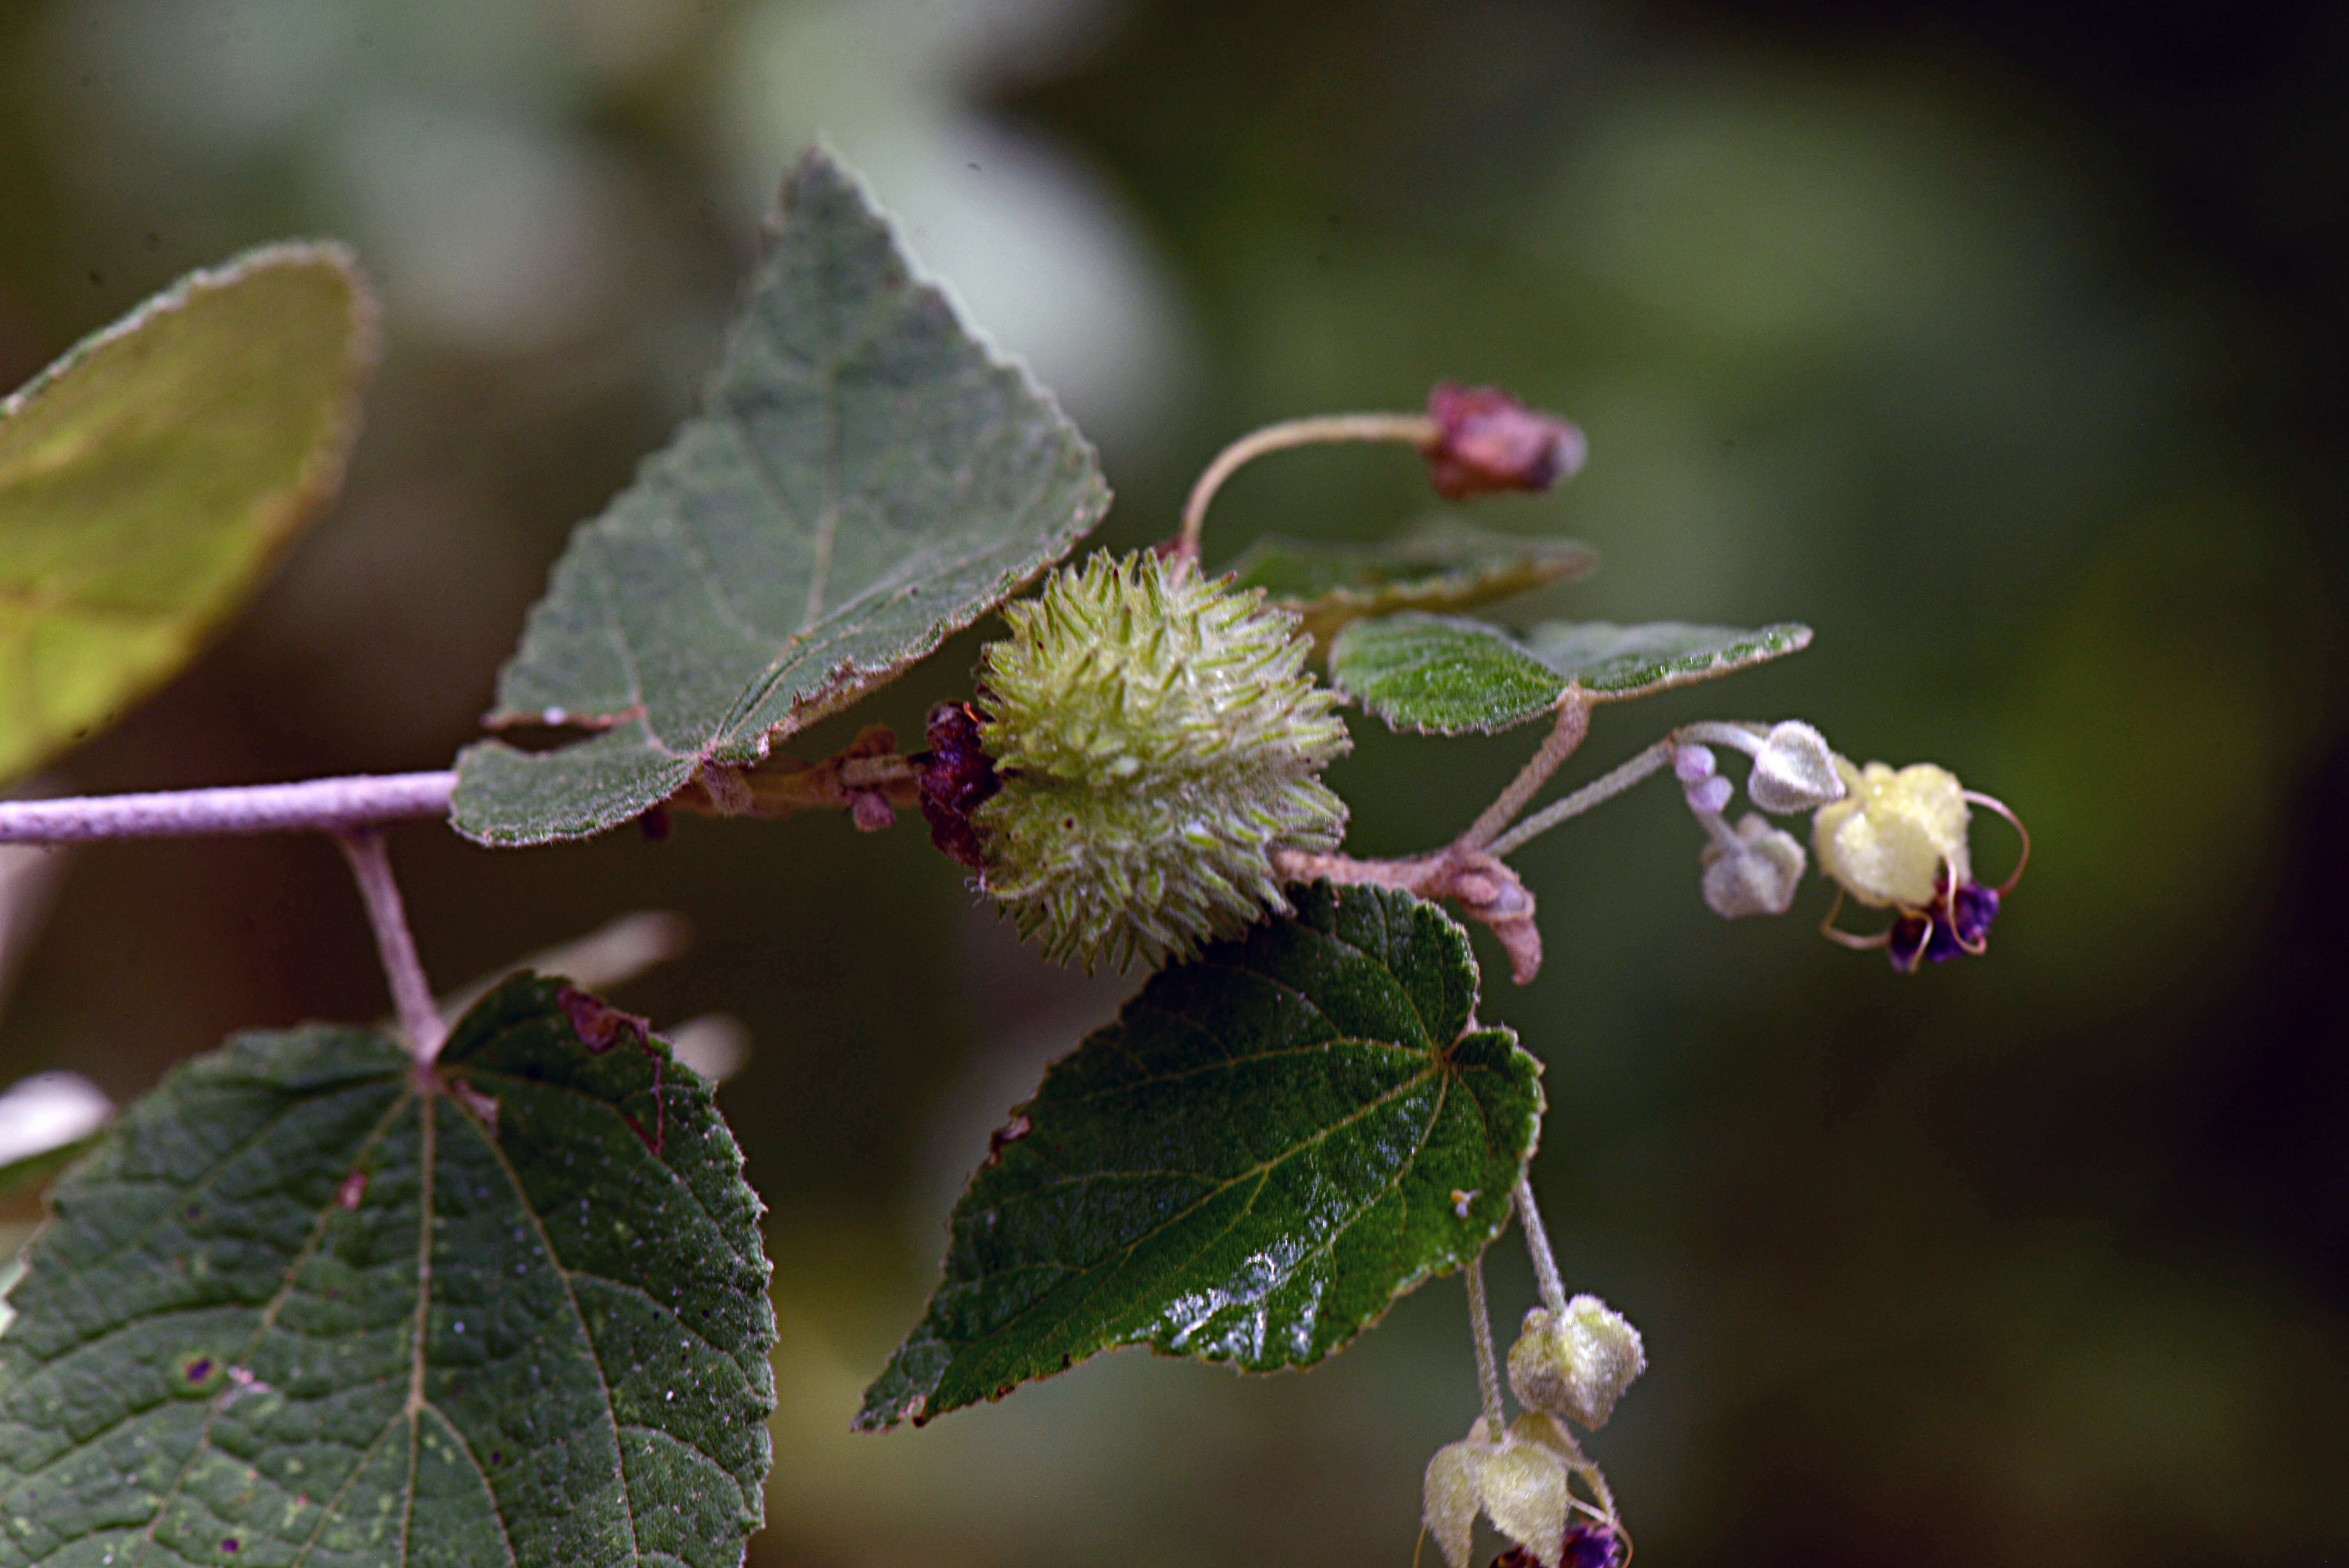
[(1158, 739)]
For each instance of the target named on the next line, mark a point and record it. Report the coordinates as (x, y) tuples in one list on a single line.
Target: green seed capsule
[(1158, 739)]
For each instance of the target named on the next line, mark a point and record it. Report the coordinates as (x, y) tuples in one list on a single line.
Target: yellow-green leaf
[(149, 478)]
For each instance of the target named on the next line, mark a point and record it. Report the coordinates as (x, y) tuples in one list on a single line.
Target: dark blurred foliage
[(2002, 343)]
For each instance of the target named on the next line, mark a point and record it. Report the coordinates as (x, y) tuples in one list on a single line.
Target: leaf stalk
[(411, 993), (1488, 1368)]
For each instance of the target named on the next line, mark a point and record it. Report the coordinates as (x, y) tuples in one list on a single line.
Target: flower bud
[(1759, 877), (1897, 838), (1489, 441), (1576, 1365), (1795, 770)]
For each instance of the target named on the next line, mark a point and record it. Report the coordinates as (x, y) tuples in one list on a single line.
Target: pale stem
[(1750, 738), (411, 993), (1408, 430), (1604, 787), (316, 805), (1488, 1370), (1573, 724), (1553, 1289)]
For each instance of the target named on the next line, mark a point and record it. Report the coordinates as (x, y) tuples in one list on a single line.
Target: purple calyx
[(1951, 924)]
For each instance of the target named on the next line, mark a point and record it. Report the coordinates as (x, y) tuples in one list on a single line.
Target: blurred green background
[(2005, 348)]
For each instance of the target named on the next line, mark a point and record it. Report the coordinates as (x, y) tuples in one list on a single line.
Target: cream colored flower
[(1898, 839)]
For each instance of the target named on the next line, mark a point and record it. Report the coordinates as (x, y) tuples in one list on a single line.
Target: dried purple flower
[(955, 777)]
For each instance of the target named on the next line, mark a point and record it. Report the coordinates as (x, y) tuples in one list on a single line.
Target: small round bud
[(1759, 877), (1795, 770), (1896, 840), (1156, 739), (1576, 1365), (1695, 764), (1709, 796)]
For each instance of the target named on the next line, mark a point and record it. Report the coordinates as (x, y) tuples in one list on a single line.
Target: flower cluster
[(1565, 1367), (1889, 839)]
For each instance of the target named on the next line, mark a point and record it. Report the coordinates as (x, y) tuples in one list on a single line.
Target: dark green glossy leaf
[(151, 477), (296, 1309), (863, 477), (1446, 674), (1332, 585), (1272, 1142)]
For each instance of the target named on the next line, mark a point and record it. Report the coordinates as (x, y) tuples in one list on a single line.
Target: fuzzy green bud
[(1158, 739), (1578, 1364)]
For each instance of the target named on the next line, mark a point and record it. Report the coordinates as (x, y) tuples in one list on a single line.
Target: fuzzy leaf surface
[(151, 477), (1272, 1142), (1332, 585), (1448, 674), (863, 477), (294, 1310)]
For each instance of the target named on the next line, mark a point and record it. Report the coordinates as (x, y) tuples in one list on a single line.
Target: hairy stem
[(1573, 724), (1749, 738), (1488, 1368), (1485, 890), (316, 805), (1408, 430), (411, 993), (1604, 787), (1553, 1289)]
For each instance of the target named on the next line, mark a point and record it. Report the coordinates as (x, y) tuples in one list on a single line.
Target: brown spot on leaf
[(1010, 1132), (598, 1024)]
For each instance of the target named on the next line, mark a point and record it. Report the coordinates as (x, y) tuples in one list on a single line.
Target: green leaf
[(1272, 1142), (299, 1309), (1614, 664), (151, 477), (864, 479), (1332, 585), (1442, 675), (1447, 675)]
